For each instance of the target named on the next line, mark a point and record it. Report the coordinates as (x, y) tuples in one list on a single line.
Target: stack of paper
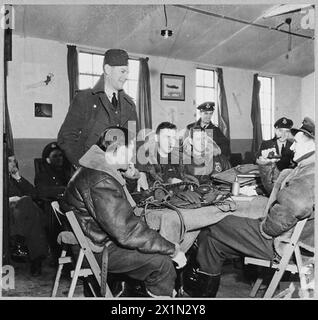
[(246, 174)]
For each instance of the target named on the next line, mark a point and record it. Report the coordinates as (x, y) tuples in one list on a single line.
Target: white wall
[(34, 58), (288, 98), (308, 96), (178, 112)]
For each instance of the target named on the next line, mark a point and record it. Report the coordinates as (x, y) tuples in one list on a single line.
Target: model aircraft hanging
[(49, 79)]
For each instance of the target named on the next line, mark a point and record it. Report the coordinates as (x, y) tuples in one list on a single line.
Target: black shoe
[(200, 284), (36, 267), (132, 288)]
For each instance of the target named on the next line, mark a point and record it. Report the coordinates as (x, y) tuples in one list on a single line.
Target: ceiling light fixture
[(166, 33)]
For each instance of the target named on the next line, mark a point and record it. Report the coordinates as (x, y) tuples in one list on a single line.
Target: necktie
[(114, 100), (282, 149)]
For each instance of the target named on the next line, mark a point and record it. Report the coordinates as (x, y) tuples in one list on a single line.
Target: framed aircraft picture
[(172, 87)]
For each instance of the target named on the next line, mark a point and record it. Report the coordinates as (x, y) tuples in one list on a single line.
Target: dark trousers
[(230, 238), (26, 220), (156, 270)]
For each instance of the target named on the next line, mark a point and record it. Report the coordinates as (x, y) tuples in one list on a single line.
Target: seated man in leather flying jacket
[(98, 196), (292, 199)]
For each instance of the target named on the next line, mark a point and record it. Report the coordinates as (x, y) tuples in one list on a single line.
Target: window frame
[(215, 117)]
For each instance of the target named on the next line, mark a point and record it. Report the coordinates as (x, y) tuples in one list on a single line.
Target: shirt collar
[(100, 88), (109, 94)]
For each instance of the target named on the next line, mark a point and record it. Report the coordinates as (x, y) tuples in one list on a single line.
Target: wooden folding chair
[(285, 264), (63, 258), (77, 237)]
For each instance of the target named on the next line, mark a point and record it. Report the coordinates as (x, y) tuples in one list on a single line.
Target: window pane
[(266, 106), (266, 85), (85, 81), (133, 69), (267, 101), (199, 77), (208, 94), (205, 90), (97, 63), (208, 78), (131, 87), (266, 131), (95, 79), (199, 95), (266, 116), (85, 62)]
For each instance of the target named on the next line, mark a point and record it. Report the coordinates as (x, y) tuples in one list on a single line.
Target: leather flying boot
[(200, 284)]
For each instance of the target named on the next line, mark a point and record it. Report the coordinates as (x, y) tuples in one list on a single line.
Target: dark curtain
[(8, 148), (72, 70), (144, 95), (256, 116), (223, 112)]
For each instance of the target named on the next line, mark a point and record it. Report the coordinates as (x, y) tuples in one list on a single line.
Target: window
[(90, 67), (266, 105), (206, 90), (131, 85)]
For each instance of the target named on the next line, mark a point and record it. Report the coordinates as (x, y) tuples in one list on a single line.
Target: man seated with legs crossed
[(291, 200), (98, 196)]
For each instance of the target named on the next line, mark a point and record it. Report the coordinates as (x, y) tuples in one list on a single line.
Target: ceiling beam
[(241, 21)]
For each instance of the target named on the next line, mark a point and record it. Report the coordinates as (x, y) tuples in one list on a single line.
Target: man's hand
[(14, 199), (16, 175), (266, 152), (265, 161), (192, 179), (142, 182), (174, 180), (132, 172), (179, 257)]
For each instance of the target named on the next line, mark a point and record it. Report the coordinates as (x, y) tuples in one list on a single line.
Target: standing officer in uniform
[(93, 110), (206, 112)]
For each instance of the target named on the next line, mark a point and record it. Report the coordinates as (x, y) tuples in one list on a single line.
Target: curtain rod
[(241, 21)]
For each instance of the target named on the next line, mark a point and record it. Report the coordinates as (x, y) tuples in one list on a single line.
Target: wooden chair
[(292, 249), (77, 237)]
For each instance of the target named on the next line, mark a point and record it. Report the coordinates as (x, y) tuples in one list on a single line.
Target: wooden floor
[(234, 283)]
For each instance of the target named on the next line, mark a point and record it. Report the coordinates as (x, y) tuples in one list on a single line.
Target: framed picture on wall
[(43, 110), (172, 87)]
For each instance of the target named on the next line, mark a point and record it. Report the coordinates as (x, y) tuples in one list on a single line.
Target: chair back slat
[(297, 231), (84, 245), (285, 264)]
